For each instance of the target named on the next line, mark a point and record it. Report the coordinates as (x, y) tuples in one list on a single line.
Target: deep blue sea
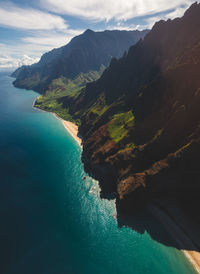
[(51, 220)]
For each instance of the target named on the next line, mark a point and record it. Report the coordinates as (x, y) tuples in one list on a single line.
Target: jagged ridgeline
[(66, 70), (141, 120)]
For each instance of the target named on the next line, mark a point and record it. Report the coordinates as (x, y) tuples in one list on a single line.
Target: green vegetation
[(120, 125), (130, 146), (62, 87), (71, 87), (99, 107), (54, 106), (31, 82)]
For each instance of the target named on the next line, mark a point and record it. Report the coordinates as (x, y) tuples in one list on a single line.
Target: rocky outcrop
[(141, 119)]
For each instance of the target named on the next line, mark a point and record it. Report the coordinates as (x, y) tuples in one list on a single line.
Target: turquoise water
[(53, 221)]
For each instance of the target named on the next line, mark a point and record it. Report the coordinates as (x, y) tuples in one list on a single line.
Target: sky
[(29, 28)]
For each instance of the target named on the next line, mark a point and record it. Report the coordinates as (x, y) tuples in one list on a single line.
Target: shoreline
[(178, 235), (171, 227), (71, 128)]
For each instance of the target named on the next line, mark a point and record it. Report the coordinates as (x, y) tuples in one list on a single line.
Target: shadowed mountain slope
[(84, 53), (141, 120)]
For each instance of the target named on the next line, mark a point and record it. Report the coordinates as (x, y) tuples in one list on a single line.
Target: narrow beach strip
[(73, 130), (170, 226), (69, 126)]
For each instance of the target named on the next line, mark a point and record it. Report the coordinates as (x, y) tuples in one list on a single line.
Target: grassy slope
[(119, 123), (62, 87)]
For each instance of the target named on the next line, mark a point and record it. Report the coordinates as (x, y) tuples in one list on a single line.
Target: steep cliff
[(83, 54), (141, 120)]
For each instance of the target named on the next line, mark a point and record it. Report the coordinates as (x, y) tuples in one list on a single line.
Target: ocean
[(52, 220)]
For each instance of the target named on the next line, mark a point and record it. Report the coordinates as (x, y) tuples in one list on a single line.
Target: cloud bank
[(28, 18), (42, 32), (53, 38), (112, 9), (44, 27), (8, 62), (29, 49)]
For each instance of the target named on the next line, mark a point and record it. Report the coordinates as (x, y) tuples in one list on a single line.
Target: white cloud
[(29, 49), (176, 13), (111, 9), (7, 61), (20, 48), (27, 18), (123, 26), (52, 39), (47, 31), (13, 56), (171, 15)]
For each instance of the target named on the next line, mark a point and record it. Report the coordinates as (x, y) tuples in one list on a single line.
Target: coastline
[(184, 242), (69, 126), (171, 227), (72, 129)]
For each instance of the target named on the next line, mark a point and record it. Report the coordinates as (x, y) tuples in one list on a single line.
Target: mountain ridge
[(140, 120), (85, 52)]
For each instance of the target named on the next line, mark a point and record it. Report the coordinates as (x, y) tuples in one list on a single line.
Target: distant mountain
[(140, 121), (86, 52)]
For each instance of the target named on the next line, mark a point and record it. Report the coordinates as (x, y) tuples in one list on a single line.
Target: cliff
[(83, 54), (141, 120)]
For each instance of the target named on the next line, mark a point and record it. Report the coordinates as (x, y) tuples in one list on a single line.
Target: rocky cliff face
[(86, 52), (141, 120)]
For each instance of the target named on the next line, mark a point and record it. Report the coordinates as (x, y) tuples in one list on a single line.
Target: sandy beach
[(70, 127), (175, 231), (73, 130), (184, 242)]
